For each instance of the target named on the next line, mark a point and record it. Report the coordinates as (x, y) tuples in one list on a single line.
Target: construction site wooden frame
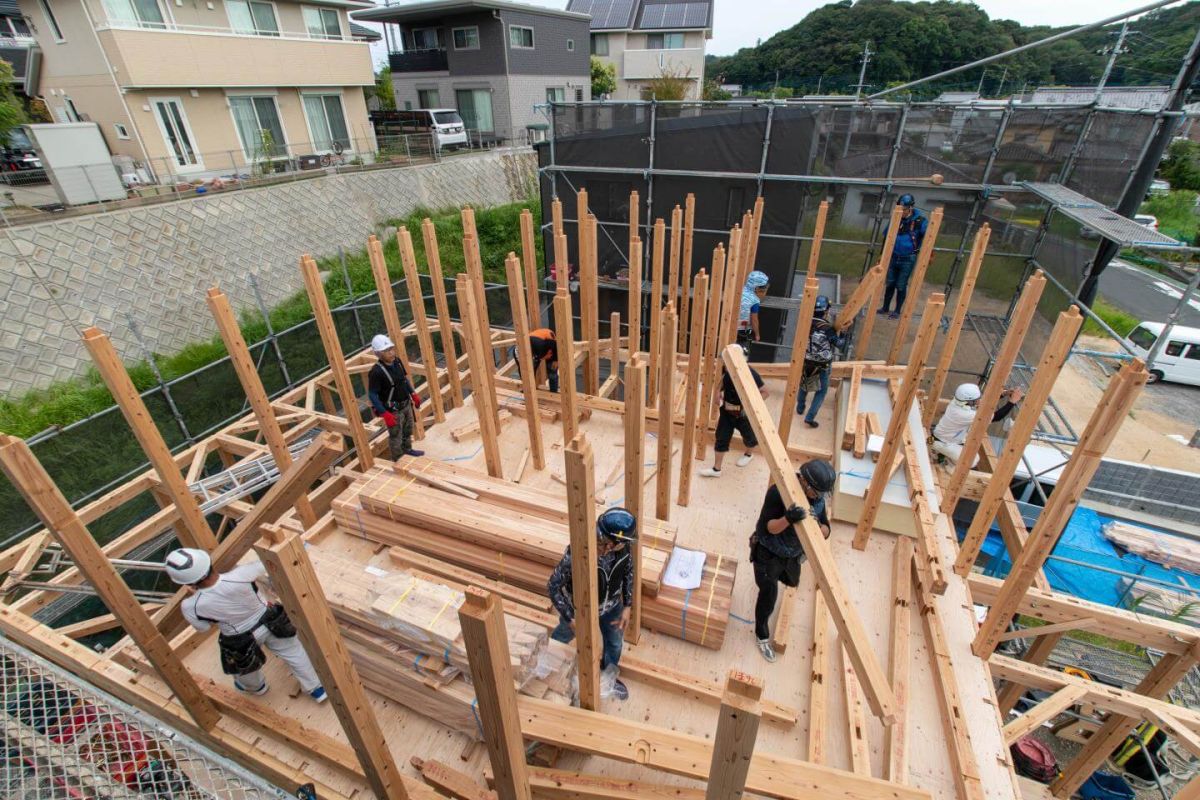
[(155, 666)]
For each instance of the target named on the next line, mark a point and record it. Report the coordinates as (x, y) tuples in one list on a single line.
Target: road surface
[(1146, 294)]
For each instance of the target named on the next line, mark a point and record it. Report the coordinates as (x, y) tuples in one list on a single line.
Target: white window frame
[(436, 44), (164, 11), (570, 45), (532, 37), (558, 90), (341, 34), (599, 37), (71, 110), (52, 22), (454, 42), (287, 137), (187, 128), (274, 10), (312, 139), (123, 131), (437, 91), (12, 31)]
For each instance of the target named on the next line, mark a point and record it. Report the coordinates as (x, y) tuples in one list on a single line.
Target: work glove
[(796, 514), (416, 400), (389, 419)]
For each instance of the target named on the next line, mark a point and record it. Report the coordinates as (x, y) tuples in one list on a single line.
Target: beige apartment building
[(198, 88)]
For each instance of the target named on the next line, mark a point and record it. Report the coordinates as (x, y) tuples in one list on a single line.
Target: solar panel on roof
[(606, 13), (673, 15)]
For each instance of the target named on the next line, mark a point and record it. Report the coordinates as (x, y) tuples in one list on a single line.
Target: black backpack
[(820, 343)]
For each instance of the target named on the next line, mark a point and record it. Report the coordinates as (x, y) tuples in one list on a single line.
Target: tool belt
[(730, 408), (241, 653)]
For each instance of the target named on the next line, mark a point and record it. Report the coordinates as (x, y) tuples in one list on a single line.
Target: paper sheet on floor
[(685, 568)]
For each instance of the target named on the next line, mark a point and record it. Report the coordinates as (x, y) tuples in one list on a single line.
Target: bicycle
[(335, 157)]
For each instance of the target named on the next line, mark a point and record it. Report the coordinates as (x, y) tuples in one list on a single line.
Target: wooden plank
[(656, 286), (691, 415), (818, 692), (556, 784), (416, 301), (856, 720), (814, 252), (666, 405), (1084, 624), (710, 369), (895, 737), (893, 439), (634, 316), (1038, 653), (469, 430), (104, 622), (449, 781), (820, 557), (808, 301), (565, 333), (296, 583), (853, 393), (1046, 710), (529, 261), (860, 436), (861, 295), (581, 503), (685, 308), (193, 530), (484, 635), (950, 338), (706, 691), (433, 258), (635, 475), (1054, 357), (529, 391), (916, 281), (733, 742), (479, 355), (34, 546), (35, 486), (1184, 735), (783, 619), (863, 336)]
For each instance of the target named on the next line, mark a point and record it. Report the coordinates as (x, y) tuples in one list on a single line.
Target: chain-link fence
[(67, 740)]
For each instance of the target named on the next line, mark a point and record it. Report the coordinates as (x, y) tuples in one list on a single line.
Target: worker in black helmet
[(775, 549), (616, 531), (823, 343), (909, 235)]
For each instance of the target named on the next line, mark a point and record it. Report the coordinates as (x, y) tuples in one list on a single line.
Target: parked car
[(18, 153), (1159, 187), (1149, 220), (1177, 361), (445, 125)]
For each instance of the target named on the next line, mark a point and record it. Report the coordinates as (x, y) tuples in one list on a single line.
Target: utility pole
[(862, 73), (1116, 50)]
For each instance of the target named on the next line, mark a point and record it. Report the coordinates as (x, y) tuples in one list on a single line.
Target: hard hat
[(906, 200), (822, 304), (818, 474), (618, 525), (188, 565), (381, 342), (967, 393), (756, 279)]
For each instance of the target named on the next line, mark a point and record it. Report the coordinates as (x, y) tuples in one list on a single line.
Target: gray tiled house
[(490, 59)]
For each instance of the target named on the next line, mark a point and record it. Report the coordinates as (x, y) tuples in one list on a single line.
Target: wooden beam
[(950, 338), (35, 486), (589, 311), (558, 784), (1184, 735), (479, 355), (814, 251), (193, 529), (433, 257), (735, 282), (296, 583), (556, 216), (895, 737), (634, 320), (1043, 712), (861, 295), (676, 253), (529, 261), (634, 228), (635, 475), (656, 287), (856, 720), (666, 406), (808, 302), (449, 781), (687, 685), (1038, 653), (1054, 357), (1002, 366), (581, 504), (733, 743), (416, 301), (818, 691), (689, 218), (691, 414), (482, 619), (916, 281), (520, 315), (247, 372), (565, 331), (1084, 624), (337, 361), (561, 262), (757, 217), (853, 393), (820, 557), (893, 439), (781, 637), (710, 369), (614, 350)]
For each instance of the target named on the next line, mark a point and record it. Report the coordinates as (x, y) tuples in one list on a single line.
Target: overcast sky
[(741, 23)]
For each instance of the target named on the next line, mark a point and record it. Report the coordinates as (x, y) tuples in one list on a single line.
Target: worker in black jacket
[(393, 397), (775, 549)]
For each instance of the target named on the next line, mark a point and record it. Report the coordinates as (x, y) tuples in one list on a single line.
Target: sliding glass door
[(475, 107)]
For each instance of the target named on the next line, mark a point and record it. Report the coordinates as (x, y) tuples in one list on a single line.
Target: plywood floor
[(719, 519)]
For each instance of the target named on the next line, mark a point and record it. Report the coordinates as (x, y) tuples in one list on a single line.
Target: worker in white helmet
[(393, 397), (231, 601), (950, 433)]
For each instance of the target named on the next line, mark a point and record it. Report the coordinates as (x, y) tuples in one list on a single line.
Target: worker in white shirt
[(950, 433), (231, 601)]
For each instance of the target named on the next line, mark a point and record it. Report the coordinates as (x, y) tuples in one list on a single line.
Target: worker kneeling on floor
[(616, 531), (950, 433), (231, 601)]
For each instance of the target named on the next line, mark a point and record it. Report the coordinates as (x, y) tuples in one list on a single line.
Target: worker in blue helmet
[(616, 531), (909, 236), (752, 296), (824, 341)]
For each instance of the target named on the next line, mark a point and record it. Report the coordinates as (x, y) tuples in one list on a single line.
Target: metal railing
[(170, 26)]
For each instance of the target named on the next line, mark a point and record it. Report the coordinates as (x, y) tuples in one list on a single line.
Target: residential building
[(647, 39), (492, 60), (17, 45), (197, 89), (1147, 97)]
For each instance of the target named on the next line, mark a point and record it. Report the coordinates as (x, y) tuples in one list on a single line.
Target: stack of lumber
[(517, 535), (1175, 552)]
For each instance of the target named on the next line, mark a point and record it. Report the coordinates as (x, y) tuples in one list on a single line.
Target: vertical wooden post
[(556, 217), (295, 581), (735, 282), (416, 301), (581, 506), (588, 290), (529, 260), (656, 286), (1010, 349), (35, 486), (634, 320), (924, 257), (675, 253), (482, 619), (433, 256), (562, 257), (337, 361), (480, 363), (733, 743), (950, 339), (533, 419), (391, 318), (689, 219), (474, 264), (193, 530), (893, 440), (814, 252), (565, 334), (710, 368), (818, 688), (787, 413), (692, 386), (467, 215), (256, 395), (1054, 356), (895, 737), (1105, 421), (635, 476), (666, 414), (757, 217), (614, 344), (634, 229)]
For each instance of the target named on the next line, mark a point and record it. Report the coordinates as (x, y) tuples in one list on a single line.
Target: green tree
[(604, 78), (1181, 168), (384, 89), (713, 91), (669, 85), (11, 112)]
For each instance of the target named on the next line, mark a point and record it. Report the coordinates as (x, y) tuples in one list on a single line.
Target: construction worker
[(752, 295), (951, 430), (823, 343), (545, 351), (732, 417), (231, 601), (616, 530), (393, 397), (775, 549), (910, 234)]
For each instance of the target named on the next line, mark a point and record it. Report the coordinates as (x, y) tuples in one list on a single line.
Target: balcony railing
[(174, 27), (432, 60)]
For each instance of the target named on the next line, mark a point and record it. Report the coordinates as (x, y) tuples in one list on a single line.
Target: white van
[(1178, 360), (445, 124)]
